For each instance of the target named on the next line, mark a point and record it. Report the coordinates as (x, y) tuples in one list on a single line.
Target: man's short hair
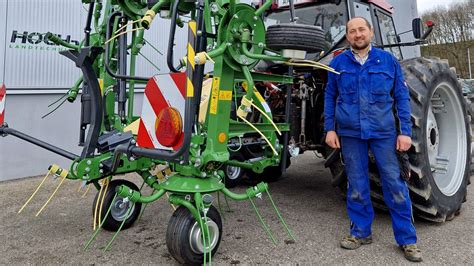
[(366, 22)]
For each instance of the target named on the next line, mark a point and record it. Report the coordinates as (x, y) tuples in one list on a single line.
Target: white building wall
[(3, 26), (30, 62)]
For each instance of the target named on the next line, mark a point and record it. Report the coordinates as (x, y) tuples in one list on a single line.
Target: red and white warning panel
[(3, 95), (161, 121)]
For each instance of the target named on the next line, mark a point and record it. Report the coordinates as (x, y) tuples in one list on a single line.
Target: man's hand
[(333, 140), (403, 143)]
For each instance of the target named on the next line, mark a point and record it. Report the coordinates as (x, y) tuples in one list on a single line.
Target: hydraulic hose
[(169, 56), (87, 28)]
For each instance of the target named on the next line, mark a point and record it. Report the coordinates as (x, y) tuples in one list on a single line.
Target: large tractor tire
[(441, 152), (440, 156), (295, 36)]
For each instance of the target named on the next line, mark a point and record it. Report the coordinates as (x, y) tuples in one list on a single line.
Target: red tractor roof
[(382, 4), (284, 4)]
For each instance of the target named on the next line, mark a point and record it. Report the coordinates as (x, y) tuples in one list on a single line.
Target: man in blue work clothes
[(359, 109)]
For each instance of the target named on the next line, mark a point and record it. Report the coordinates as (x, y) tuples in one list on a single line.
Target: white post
[(469, 61)]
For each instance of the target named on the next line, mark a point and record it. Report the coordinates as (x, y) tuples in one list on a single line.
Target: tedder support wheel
[(119, 209), (296, 37), (184, 238), (440, 155)]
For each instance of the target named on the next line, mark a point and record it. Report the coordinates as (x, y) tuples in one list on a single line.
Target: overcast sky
[(424, 5)]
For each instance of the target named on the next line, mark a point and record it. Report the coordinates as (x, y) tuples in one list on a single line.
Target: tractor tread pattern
[(295, 36)]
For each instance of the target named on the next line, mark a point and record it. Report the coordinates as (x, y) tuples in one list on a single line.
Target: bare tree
[(452, 35)]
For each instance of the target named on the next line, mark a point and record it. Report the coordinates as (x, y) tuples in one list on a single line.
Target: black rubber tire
[(112, 224), (233, 179), (295, 36), (178, 232), (422, 76)]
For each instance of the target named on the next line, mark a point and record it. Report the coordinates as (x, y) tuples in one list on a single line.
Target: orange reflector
[(222, 137), (169, 127)]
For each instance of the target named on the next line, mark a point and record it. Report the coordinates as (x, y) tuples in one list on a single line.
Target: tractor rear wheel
[(441, 151)]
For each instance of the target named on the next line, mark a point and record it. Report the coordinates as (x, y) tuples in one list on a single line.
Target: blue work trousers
[(395, 192)]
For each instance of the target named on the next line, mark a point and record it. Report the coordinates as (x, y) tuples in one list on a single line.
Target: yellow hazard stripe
[(190, 60), (189, 88), (191, 55), (192, 26)]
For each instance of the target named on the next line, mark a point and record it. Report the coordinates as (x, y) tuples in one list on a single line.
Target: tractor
[(440, 156)]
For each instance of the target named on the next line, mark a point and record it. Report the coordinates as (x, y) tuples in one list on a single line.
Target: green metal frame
[(239, 44)]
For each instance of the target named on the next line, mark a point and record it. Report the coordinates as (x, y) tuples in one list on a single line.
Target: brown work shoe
[(412, 253), (352, 242)]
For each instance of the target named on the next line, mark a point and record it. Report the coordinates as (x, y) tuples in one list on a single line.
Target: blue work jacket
[(363, 100)]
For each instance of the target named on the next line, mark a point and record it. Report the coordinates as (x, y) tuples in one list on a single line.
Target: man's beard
[(360, 47)]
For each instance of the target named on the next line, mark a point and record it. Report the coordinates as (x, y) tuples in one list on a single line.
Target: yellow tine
[(259, 132), (106, 181), (269, 119), (87, 190), (126, 25), (52, 195), (34, 193), (168, 196), (122, 33), (97, 205)]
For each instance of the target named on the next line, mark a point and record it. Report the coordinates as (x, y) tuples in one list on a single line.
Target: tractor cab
[(332, 15)]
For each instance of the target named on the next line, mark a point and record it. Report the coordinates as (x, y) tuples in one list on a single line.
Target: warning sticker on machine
[(225, 95), (214, 95)]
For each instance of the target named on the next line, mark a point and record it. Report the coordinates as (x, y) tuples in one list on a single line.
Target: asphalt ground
[(312, 208)]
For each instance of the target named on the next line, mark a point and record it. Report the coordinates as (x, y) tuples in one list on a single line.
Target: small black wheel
[(119, 209), (233, 174), (183, 236), (296, 37)]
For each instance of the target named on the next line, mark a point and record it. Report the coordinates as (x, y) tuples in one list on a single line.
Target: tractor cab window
[(329, 16), (388, 34)]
